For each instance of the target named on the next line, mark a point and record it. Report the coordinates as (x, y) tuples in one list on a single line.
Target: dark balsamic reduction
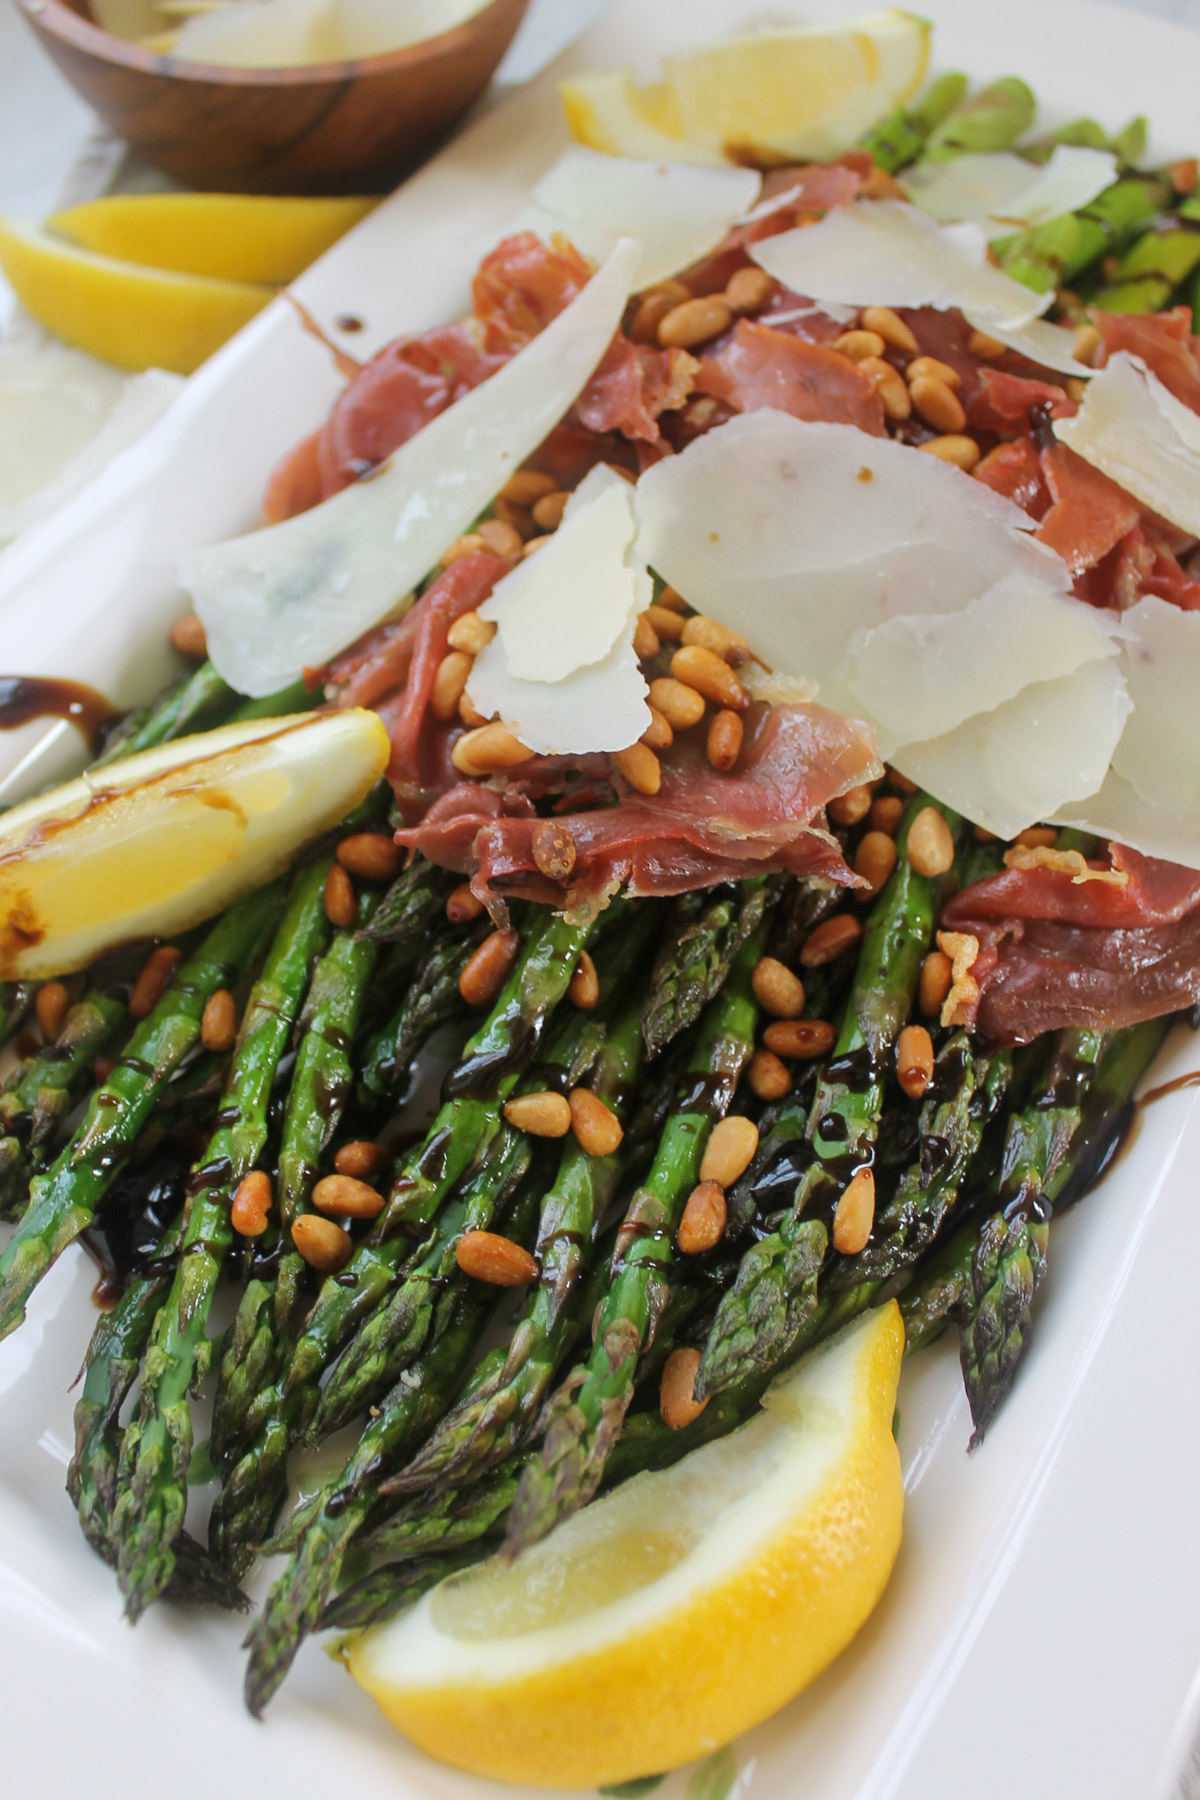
[(27, 697), (137, 1210), (478, 1077), (708, 1095)]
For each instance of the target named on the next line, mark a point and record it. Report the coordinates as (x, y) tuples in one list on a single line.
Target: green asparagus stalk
[(64, 1199), (1154, 265), (900, 138), (993, 118), (775, 1290), (933, 1299), (433, 999), (153, 1477), (703, 935), (1055, 254), (413, 905), (41, 1090), (584, 1416)]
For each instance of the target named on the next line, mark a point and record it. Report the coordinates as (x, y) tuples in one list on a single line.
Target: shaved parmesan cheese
[(887, 253), (1159, 752), (677, 211), (1133, 429), (565, 608), (1003, 193), (801, 534), (1019, 763), (1050, 346), (1119, 811), (290, 597), (601, 707), (919, 677)]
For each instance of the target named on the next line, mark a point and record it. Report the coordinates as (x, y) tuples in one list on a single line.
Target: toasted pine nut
[(1037, 837), (554, 848), (851, 807), (1087, 342), (671, 598), (914, 1060), (879, 185), (674, 290), (667, 623), (540, 1115), (858, 344), (658, 734), (930, 847), (502, 538), (548, 511), (938, 404), (649, 316), (535, 543), (52, 1006), (886, 813), (469, 545), (640, 767), (730, 1150), (953, 447), (1184, 175), (889, 384), (776, 989), (321, 1243), (982, 835), (890, 327), (526, 486), (596, 1126), (341, 906), (485, 973), (346, 1197), (645, 639), (371, 855), (449, 683), (875, 858), (799, 1039), (488, 749), (583, 989), (471, 633), (710, 676), (934, 984), (725, 734), (703, 1221), (854, 1214), (219, 1022), (985, 347), (462, 906), (360, 1158), (252, 1204), (1076, 388), (748, 290), (903, 784), (681, 706), (677, 1402), (694, 322), (768, 1076), (929, 365), (154, 979), (189, 637), (723, 642), (486, 1256), (829, 940), (519, 517), (470, 716)]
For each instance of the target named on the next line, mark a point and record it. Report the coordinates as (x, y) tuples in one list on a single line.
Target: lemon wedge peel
[(688, 1643), (775, 95), (155, 844), (122, 312), (262, 238)]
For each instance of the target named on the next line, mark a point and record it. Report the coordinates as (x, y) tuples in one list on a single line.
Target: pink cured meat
[(760, 367)]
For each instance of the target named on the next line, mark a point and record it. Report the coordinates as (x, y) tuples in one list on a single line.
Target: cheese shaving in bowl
[(887, 253), (290, 597), (1002, 192), (1134, 429)]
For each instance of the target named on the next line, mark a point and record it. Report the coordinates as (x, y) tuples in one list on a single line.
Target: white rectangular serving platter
[(1041, 1634)]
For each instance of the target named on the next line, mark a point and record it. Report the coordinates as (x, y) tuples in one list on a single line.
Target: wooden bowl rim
[(62, 21)]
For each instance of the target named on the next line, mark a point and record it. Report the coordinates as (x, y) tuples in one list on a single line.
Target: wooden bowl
[(327, 128)]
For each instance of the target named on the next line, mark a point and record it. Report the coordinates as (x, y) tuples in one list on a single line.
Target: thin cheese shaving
[(1002, 193), (1133, 429)]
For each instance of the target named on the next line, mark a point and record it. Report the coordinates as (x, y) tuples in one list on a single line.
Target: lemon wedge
[(122, 312), (228, 237), (678, 1611), (776, 95), (154, 844)]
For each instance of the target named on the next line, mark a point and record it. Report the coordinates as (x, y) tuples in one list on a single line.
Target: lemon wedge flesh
[(808, 91), (122, 312), (680, 1610), (229, 237), (163, 840)]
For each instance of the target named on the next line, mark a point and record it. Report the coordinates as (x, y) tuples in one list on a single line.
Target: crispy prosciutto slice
[(760, 367), (1057, 952), (701, 827), (1165, 343)]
